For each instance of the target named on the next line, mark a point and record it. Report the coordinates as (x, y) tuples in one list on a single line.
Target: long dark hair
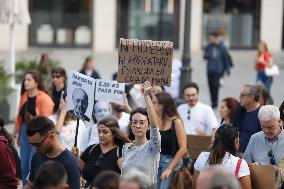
[(119, 137), (225, 137), (169, 106), (36, 76)]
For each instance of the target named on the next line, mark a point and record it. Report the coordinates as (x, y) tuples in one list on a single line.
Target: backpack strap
[(238, 167)]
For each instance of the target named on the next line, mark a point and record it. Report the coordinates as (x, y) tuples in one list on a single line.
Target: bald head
[(80, 101), (102, 109)]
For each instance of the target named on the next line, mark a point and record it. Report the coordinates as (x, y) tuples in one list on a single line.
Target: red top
[(260, 65), (7, 166)]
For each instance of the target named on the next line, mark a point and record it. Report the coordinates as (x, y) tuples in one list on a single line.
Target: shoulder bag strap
[(238, 167)]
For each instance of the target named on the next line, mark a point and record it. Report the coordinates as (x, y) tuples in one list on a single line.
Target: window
[(148, 19), (237, 21), (61, 23)]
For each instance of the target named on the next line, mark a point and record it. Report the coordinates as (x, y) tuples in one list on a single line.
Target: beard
[(47, 150)]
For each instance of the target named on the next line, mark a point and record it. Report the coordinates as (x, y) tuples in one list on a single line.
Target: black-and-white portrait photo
[(80, 103), (80, 95)]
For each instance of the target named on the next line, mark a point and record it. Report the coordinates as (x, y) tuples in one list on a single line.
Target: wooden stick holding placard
[(75, 149)]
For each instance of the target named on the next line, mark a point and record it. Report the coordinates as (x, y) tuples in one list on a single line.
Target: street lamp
[(186, 69)]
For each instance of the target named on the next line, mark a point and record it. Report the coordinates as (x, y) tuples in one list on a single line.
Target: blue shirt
[(67, 159), (249, 125), (259, 146), (217, 57)]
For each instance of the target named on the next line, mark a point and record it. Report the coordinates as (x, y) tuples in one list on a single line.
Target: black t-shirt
[(166, 142), (169, 143), (67, 159), (96, 162), (57, 97), (29, 106)]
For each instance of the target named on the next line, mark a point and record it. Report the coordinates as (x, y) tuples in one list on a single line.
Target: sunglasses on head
[(271, 157)]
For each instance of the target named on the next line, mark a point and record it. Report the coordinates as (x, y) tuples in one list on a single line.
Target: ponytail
[(217, 153), (224, 142)]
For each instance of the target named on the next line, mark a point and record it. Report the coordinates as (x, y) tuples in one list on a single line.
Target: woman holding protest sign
[(104, 156), (66, 124), (34, 102), (143, 154), (173, 137)]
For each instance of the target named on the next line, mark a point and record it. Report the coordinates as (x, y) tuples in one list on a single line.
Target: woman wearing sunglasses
[(58, 86), (224, 151), (104, 156), (143, 154)]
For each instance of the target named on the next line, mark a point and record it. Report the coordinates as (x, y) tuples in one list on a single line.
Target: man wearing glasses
[(246, 115), (266, 146), (42, 136)]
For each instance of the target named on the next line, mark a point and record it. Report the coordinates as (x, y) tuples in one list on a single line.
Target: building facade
[(99, 24)]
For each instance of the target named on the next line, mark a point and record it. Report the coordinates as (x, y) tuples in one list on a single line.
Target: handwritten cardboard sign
[(110, 91), (197, 144), (141, 60), (80, 95)]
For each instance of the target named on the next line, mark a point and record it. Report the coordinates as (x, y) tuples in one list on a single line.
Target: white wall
[(196, 25), (271, 23), (21, 37), (104, 25)]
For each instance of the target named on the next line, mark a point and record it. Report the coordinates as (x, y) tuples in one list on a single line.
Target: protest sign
[(197, 144), (110, 91), (80, 95), (145, 60), (262, 176)]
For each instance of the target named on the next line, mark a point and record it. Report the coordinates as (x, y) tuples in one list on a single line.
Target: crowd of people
[(143, 145)]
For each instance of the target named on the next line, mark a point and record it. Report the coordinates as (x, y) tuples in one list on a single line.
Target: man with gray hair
[(266, 147), (217, 177), (245, 117), (135, 179)]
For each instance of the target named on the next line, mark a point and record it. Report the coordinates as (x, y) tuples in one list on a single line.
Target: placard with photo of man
[(80, 95)]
